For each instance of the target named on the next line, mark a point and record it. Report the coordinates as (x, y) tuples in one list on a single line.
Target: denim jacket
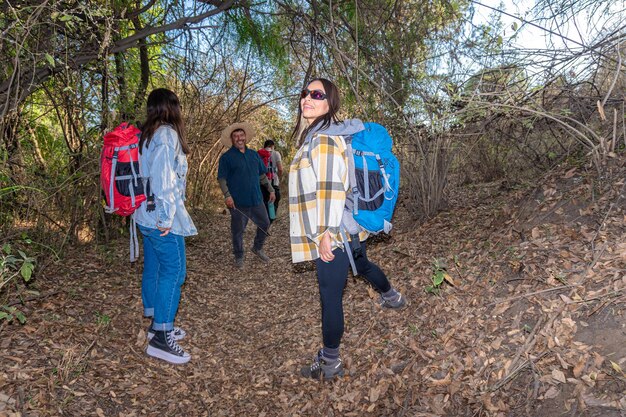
[(165, 164)]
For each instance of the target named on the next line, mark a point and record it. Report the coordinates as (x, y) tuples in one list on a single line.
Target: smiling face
[(312, 109), (238, 137)]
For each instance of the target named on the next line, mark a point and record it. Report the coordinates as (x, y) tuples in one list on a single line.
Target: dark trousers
[(266, 199), (331, 278), (239, 220)]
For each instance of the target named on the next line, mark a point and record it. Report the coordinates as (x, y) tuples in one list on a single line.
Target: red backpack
[(266, 156), (119, 170)]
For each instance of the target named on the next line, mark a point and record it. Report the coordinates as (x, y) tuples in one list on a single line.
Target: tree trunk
[(106, 119), (9, 130), (41, 162), (120, 75), (144, 62)]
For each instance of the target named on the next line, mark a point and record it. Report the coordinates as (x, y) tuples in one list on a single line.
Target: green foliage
[(102, 319), (11, 266), (438, 277), (8, 314), (15, 265), (265, 34)]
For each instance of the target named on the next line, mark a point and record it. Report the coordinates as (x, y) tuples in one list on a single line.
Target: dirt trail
[(539, 280)]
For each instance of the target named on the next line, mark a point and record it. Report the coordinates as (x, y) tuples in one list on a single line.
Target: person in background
[(274, 163), (239, 172), (164, 226), (319, 204)]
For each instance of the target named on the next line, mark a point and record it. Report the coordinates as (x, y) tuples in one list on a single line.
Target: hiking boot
[(179, 334), (238, 263), (163, 346), (322, 369), (261, 254), (396, 302)]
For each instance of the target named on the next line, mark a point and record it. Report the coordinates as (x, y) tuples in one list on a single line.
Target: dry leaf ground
[(533, 327)]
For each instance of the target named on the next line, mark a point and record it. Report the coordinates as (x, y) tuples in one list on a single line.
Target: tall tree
[(42, 39)]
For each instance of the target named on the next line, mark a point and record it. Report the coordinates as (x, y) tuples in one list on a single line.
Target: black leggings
[(332, 278)]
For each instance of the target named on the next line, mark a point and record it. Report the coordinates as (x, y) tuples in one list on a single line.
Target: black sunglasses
[(315, 94)]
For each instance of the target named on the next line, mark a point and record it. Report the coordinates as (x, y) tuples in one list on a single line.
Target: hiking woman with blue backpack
[(322, 215), (164, 222)]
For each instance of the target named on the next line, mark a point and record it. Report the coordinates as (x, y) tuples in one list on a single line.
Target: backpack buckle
[(357, 250)]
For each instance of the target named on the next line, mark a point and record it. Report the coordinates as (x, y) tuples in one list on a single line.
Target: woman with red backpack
[(165, 223), (319, 207)]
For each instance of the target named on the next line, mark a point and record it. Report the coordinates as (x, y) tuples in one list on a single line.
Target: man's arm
[(230, 203), (263, 178), (279, 163), (266, 183), (279, 166), (224, 187)]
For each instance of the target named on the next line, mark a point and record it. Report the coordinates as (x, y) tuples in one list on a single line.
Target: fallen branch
[(514, 373), (33, 298), (358, 343), (606, 302), (398, 251), (530, 342), (563, 287), (86, 352)]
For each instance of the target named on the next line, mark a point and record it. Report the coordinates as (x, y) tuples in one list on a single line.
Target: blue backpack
[(374, 173)]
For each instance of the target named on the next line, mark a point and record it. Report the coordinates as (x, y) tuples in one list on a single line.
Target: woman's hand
[(326, 248), (230, 203), (165, 230)]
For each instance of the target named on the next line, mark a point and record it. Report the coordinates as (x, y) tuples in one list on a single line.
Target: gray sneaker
[(238, 263), (397, 302), (321, 369), (261, 254)]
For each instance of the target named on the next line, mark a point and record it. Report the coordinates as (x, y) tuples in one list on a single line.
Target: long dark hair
[(163, 108), (323, 121)]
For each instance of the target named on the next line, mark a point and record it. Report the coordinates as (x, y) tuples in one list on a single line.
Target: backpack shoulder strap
[(348, 248), (352, 176)]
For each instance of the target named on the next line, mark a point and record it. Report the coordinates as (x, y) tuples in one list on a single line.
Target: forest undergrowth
[(517, 303)]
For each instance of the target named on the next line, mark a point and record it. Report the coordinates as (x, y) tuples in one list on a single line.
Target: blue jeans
[(331, 278), (238, 222), (164, 271)]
